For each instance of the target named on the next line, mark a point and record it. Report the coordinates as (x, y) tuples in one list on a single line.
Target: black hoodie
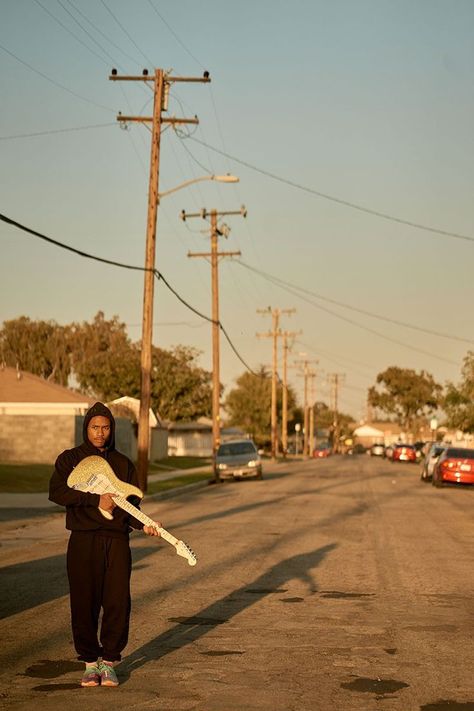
[(82, 512)]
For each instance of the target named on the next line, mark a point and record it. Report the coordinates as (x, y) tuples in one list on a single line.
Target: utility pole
[(335, 379), (284, 405), (274, 334), (214, 254), (161, 82), (311, 414), (306, 373)]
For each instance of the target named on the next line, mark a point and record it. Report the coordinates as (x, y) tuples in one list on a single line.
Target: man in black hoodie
[(98, 555)]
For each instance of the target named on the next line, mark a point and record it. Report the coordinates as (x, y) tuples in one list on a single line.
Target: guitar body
[(95, 475)]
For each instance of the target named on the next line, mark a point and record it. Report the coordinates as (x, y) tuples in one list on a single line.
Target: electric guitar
[(95, 475)]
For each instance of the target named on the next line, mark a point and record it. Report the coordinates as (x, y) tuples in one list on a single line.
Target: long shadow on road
[(189, 629), (26, 585)]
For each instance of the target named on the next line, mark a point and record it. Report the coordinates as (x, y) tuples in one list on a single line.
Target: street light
[(143, 447), (218, 178)]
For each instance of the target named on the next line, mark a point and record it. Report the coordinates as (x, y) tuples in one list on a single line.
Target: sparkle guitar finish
[(95, 475)]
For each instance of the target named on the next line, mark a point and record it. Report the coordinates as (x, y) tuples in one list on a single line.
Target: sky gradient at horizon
[(368, 102)]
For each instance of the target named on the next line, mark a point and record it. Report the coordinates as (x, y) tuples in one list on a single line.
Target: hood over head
[(99, 410)]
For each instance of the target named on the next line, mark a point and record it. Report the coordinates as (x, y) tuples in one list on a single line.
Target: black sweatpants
[(99, 571)]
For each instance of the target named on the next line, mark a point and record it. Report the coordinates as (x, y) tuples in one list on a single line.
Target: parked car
[(430, 460), (389, 451), (455, 465), (238, 459), (377, 450), (404, 453), (321, 451)]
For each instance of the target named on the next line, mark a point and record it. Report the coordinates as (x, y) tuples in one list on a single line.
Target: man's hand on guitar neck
[(107, 502), (152, 530)]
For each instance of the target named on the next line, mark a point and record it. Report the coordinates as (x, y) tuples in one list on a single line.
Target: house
[(379, 433), (39, 419), (194, 439), (130, 407)]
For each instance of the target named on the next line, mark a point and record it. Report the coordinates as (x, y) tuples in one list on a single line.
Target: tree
[(459, 401), (249, 404), (39, 347), (105, 362), (406, 394), (181, 390)]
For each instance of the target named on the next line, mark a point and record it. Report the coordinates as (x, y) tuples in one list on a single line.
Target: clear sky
[(367, 101)]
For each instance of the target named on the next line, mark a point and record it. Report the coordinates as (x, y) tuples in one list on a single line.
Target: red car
[(455, 465), (404, 453), (322, 451)]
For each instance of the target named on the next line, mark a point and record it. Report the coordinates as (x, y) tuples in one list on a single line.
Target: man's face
[(98, 431)]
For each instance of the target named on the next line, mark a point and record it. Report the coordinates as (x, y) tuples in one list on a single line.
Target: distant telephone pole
[(284, 405), (274, 334), (161, 82), (306, 373), (214, 254), (336, 379)]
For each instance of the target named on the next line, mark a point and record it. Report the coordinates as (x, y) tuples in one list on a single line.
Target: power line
[(61, 24), (53, 81), (332, 198), (358, 325), (56, 130), (99, 31), (126, 32), (275, 279), (157, 274), (178, 40)]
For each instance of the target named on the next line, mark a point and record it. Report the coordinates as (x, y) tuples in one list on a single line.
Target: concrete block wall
[(38, 439), (35, 438)]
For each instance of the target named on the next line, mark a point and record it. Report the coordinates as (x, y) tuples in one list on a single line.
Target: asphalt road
[(331, 585)]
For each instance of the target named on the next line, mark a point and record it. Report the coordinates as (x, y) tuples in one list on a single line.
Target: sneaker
[(108, 677), (91, 676)]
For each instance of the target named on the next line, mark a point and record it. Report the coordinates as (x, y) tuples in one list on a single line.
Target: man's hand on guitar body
[(152, 530), (107, 502)]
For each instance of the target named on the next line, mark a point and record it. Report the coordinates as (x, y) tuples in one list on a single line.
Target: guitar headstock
[(185, 551)]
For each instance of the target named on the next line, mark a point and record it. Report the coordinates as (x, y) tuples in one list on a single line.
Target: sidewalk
[(40, 500)]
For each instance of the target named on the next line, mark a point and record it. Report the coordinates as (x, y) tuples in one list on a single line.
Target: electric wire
[(54, 82), (126, 32), (57, 130), (174, 34), (333, 198), (358, 325), (281, 282), (68, 30), (99, 31), (158, 275)]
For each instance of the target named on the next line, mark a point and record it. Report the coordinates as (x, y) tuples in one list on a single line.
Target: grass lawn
[(33, 478), (25, 478), (178, 463)]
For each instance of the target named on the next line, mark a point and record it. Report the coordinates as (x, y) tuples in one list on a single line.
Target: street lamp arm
[(218, 178)]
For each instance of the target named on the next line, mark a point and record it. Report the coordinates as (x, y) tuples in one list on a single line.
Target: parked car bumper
[(457, 477), (240, 473)]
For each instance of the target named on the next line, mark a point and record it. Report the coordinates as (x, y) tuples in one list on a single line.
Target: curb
[(171, 493)]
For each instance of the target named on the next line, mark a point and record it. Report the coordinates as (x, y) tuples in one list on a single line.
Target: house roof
[(17, 387), (133, 404), (367, 431)]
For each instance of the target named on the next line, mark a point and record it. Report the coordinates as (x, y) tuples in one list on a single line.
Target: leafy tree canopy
[(249, 404), (106, 363), (405, 394), (39, 347), (459, 401)]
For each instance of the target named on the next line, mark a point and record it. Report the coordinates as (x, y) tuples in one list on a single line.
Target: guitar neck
[(143, 518)]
